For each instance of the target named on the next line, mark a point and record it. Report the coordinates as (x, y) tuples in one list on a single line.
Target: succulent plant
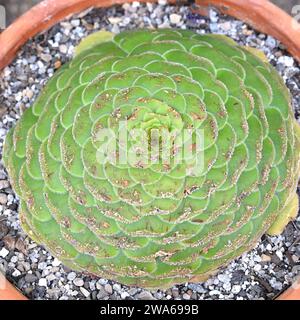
[(156, 224)]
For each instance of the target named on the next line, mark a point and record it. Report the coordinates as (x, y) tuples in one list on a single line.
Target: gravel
[(259, 274)]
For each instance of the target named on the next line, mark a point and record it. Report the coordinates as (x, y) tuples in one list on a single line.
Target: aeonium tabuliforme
[(99, 165)]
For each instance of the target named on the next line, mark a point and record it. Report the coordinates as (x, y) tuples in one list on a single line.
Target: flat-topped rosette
[(147, 221)]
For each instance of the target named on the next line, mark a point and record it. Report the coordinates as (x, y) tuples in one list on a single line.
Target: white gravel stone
[(42, 265), (214, 293), (115, 29), (279, 254), (16, 273), (14, 259), (114, 20), (75, 22), (4, 252), (287, 61), (257, 267), (56, 262), (43, 282), (124, 295), (116, 287), (224, 278), (71, 276), (175, 18), (78, 282), (63, 48), (186, 296), (85, 292), (236, 289)]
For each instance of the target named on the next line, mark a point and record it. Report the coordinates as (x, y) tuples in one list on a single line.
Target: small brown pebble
[(278, 54), (22, 107), (21, 246), (265, 258), (2, 111), (57, 64), (247, 32), (9, 242), (175, 293), (3, 229), (3, 198)]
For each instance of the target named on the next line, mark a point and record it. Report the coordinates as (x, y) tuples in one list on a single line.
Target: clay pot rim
[(260, 14), (8, 291)]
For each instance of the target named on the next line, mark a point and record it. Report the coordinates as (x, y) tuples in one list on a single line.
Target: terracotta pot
[(8, 291), (260, 14)]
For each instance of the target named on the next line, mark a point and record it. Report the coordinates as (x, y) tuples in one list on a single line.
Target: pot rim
[(262, 15), (8, 291)]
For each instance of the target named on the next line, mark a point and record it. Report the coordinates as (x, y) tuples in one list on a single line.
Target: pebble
[(257, 267), (30, 278), (71, 276), (3, 252), (226, 26), (3, 198), (125, 294), (108, 288), (279, 254), (186, 296), (224, 278), (16, 273), (43, 282), (116, 287), (51, 277), (42, 265), (287, 61), (269, 247), (265, 258), (214, 292), (85, 292), (56, 262), (78, 282), (102, 293), (4, 184), (57, 64), (271, 42), (29, 93), (227, 286), (114, 20), (46, 57), (75, 22), (115, 29), (145, 295), (236, 289), (175, 18), (63, 48)]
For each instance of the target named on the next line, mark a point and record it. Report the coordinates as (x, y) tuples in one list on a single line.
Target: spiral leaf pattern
[(156, 225)]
